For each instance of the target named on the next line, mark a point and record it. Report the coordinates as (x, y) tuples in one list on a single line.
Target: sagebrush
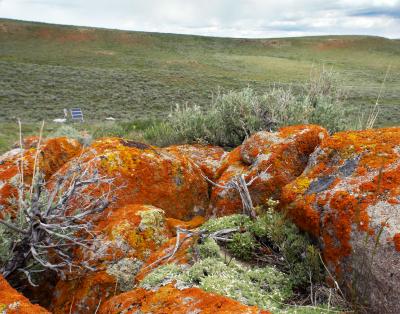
[(233, 116)]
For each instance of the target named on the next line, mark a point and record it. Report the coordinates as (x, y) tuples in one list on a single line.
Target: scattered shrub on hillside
[(233, 116)]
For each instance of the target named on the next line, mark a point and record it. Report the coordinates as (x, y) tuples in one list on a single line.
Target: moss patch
[(265, 287)]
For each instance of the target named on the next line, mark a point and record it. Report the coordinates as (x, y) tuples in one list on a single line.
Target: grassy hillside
[(129, 75)]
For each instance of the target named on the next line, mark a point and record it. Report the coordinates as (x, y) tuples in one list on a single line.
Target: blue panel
[(76, 113)]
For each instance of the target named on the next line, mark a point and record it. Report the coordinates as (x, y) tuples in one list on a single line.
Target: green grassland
[(134, 75)]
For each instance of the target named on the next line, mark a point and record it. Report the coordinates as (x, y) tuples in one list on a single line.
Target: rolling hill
[(129, 75)]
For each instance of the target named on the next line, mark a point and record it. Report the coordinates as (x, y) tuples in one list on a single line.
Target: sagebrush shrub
[(233, 116)]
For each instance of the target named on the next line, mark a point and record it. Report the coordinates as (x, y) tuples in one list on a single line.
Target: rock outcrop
[(12, 302), (274, 158), (348, 197), (343, 189), (145, 174)]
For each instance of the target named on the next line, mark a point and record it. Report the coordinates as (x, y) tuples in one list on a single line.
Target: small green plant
[(242, 245), (292, 249)]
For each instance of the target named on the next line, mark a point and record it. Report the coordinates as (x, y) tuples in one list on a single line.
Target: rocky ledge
[(342, 190)]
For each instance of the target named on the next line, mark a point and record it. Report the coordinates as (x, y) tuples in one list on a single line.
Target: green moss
[(258, 286), (266, 287), (225, 222)]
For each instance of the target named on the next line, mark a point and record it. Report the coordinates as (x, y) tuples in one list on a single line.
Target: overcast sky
[(233, 18)]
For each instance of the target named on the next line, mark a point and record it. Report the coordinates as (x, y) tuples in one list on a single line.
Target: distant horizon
[(220, 18), (196, 35)]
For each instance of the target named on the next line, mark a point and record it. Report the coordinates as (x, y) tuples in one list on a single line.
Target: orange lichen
[(191, 224), (350, 172), (206, 157), (12, 302), (169, 299), (131, 232), (276, 158), (148, 175), (396, 240), (52, 154), (183, 256), (83, 295), (126, 224)]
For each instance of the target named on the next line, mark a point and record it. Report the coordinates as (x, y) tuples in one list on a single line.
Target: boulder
[(348, 197), (207, 157), (274, 158), (124, 242), (169, 299), (145, 174), (53, 154), (12, 302)]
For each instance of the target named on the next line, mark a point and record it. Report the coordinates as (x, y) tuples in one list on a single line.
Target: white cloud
[(238, 18)]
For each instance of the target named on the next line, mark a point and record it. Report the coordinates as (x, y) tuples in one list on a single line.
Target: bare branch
[(11, 226)]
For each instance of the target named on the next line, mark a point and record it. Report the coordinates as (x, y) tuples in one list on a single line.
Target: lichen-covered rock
[(169, 299), (12, 302), (182, 256), (124, 242), (27, 142), (130, 231), (207, 157), (276, 158), (145, 174), (53, 153), (349, 198), (195, 222)]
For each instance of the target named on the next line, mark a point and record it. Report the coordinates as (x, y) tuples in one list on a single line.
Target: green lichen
[(161, 276), (153, 220), (259, 286), (271, 228), (124, 272), (265, 287)]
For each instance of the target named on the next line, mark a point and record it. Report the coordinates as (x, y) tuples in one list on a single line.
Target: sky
[(223, 18)]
